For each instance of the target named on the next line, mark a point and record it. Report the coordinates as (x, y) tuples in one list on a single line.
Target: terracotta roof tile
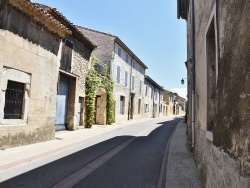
[(41, 16)]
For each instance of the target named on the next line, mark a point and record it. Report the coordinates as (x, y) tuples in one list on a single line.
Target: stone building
[(74, 64), (153, 102), (218, 67), (168, 97), (175, 104), (126, 69), (44, 60), (30, 43), (179, 105)]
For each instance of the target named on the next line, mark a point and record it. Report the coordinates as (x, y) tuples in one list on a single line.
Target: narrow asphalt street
[(138, 164), (138, 153)]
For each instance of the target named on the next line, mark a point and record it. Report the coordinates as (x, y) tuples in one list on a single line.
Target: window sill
[(12, 122), (209, 136)]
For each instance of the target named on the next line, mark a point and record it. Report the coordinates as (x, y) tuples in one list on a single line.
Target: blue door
[(62, 103)]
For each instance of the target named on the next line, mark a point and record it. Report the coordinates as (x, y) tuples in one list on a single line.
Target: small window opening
[(14, 99)]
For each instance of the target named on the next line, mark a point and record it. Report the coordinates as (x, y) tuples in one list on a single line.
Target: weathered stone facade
[(74, 65), (28, 57), (218, 50), (125, 68), (31, 55)]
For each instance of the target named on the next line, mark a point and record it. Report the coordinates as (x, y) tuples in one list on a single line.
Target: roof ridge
[(96, 31), (41, 16), (54, 12)]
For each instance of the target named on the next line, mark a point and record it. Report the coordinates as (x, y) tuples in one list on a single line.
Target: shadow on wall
[(20, 24)]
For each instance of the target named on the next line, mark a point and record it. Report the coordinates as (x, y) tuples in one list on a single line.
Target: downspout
[(130, 80), (159, 103), (154, 102), (112, 61), (193, 74)]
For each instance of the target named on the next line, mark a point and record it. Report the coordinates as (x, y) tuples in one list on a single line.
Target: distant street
[(128, 157)]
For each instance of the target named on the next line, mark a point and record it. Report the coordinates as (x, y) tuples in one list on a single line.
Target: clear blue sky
[(149, 28)]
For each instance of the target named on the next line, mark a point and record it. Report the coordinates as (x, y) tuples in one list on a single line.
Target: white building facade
[(126, 69)]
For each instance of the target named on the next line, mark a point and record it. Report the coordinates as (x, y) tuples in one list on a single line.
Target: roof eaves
[(119, 41), (60, 17), (92, 30), (152, 81), (41, 16)]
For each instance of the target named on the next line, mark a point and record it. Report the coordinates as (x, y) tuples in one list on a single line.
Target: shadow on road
[(145, 150)]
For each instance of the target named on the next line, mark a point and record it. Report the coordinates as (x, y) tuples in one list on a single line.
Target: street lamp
[(182, 80)]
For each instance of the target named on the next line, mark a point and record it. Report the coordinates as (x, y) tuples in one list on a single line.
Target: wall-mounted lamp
[(182, 81)]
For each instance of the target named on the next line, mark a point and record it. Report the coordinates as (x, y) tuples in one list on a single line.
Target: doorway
[(100, 106), (62, 103), (97, 109), (80, 111), (131, 108)]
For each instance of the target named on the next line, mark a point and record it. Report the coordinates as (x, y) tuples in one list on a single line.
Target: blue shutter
[(118, 74)]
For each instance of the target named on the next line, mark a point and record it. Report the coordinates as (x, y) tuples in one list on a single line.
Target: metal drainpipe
[(159, 103), (154, 102), (129, 99), (193, 67)]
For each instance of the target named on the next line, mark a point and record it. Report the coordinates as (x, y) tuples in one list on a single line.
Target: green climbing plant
[(93, 82)]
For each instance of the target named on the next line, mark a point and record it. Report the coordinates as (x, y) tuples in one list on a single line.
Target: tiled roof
[(101, 32), (119, 41), (41, 16), (61, 18), (152, 81)]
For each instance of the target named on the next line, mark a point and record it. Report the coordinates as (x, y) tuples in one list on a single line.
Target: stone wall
[(122, 90), (31, 51), (222, 153), (80, 66)]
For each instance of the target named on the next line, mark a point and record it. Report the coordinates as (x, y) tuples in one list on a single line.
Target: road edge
[(163, 173)]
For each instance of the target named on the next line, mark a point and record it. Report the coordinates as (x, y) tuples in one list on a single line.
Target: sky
[(149, 28)]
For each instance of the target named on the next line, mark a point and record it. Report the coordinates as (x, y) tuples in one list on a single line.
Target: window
[(127, 58), (14, 98), (66, 55), (146, 108), (134, 64), (156, 96), (118, 74), (140, 89), (126, 79), (211, 74), (141, 70), (146, 92), (152, 93), (119, 52), (122, 102), (139, 106), (133, 83)]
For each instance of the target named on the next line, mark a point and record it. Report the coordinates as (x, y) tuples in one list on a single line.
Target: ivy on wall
[(93, 82)]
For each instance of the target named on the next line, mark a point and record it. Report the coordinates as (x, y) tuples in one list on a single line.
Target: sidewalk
[(181, 168)]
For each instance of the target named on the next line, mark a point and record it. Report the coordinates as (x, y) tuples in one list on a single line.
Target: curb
[(164, 163)]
